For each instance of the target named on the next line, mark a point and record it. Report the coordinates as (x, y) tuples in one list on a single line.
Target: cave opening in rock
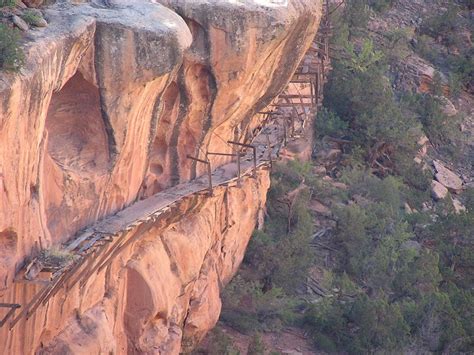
[(77, 136)]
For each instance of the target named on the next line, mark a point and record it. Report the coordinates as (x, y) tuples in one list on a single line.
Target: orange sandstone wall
[(161, 294)]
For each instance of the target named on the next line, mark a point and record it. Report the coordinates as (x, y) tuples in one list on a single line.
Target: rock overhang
[(161, 36), (271, 15)]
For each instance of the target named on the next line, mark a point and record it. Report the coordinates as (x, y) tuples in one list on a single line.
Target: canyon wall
[(161, 293), (113, 97)]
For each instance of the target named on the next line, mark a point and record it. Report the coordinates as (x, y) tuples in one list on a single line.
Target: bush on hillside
[(11, 55), (441, 24), (381, 5), (7, 3)]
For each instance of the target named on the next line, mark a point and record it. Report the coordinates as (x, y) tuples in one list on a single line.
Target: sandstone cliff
[(113, 98)]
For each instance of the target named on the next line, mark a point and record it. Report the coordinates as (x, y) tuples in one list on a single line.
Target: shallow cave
[(77, 137)]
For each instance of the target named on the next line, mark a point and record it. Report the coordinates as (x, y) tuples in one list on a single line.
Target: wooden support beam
[(88, 259), (117, 251), (39, 297), (317, 50), (209, 170), (222, 154), (295, 104), (300, 81), (13, 307), (63, 277), (301, 73), (269, 147), (89, 270), (334, 9), (296, 96), (268, 113), (254, 150), (34, 302)]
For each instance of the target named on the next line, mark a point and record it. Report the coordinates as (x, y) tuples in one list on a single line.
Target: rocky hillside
[(368, 247), (102, 104)]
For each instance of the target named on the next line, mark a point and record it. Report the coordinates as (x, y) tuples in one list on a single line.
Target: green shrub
[(329, 123), (256, 346), (426, 48), (469, 199), (455, 83), (356, 16), (31, 17), (398, 44), (248, 309), (417, 182), (219, 344), (442, 24), (241, 321), (442, 131), (360, 326), (11, 55), (381, 5), (462, 67), (7, 3), (360, 94)]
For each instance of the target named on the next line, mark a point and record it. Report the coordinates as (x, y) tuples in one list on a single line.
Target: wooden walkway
[(94, 248)]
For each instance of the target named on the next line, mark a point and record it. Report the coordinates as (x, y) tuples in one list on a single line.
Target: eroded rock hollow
[(114, 97)]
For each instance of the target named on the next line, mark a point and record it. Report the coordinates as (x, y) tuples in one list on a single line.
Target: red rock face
[(161, 294), (110, 103)]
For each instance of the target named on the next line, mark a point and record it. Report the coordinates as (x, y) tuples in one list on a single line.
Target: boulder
[(423, 143), (423, 140), (329, 156), (20, 23), (448, 107), (319, 170), (447, 178), (319, 208), (339, 185), (458, 206), (438, 191)]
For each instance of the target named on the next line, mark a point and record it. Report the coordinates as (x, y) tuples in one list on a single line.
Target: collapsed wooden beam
[(91, 268), (34, 301), (13, 307)]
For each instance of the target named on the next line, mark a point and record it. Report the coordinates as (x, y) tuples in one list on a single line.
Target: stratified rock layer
[(113, 98)]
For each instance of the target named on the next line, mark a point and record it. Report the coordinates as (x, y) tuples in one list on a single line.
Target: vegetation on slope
[(11, 55), (400, 271)]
